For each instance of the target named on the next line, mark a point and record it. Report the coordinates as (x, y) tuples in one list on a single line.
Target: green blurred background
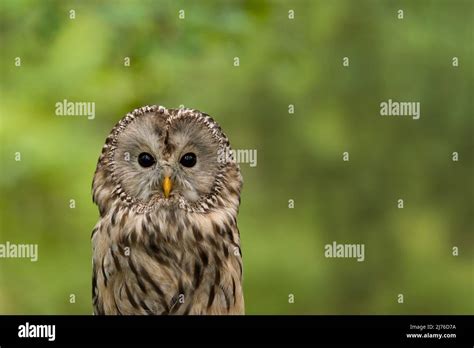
[(191, 62)]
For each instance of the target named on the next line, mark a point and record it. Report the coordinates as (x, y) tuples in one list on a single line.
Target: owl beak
[(167, 186)]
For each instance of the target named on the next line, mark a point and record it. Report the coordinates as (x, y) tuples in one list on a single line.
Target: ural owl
[(167, 242)]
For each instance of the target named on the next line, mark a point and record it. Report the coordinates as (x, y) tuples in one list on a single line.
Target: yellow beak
[(167, 186)]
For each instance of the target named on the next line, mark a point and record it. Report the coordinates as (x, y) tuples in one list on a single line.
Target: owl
[(168, 192)]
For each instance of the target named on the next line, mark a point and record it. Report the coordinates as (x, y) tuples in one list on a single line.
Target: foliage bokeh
[(282, 62)]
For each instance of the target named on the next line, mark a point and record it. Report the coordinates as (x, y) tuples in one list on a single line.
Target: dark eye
[(145, 159), (188, 160)]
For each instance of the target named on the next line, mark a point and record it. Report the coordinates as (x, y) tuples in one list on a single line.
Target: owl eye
[(146, 160), (188, 160)]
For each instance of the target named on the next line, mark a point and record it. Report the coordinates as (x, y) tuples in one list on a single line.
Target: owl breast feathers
[(167, 242)]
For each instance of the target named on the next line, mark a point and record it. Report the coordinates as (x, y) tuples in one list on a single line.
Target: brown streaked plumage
[(167, 240)]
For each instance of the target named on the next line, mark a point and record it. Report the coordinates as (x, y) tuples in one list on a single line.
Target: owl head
[(158, 157)]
